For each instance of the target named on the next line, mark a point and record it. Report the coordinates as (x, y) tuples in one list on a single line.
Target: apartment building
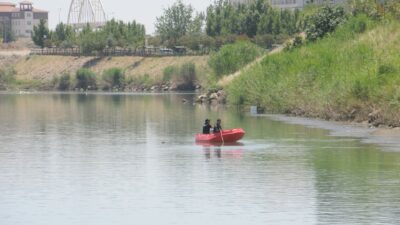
[(22, 18)]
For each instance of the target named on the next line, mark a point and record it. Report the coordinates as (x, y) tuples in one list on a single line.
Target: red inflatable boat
[(225, 136)]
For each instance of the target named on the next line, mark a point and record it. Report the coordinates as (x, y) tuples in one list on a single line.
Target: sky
[(143, 11)]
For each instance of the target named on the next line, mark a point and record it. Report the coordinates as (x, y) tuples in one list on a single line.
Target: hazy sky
[(143, 11)]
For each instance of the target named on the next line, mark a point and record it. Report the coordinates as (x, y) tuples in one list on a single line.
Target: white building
[(22, 19)]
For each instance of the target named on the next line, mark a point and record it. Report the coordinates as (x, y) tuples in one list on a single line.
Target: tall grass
[(230, 58), (348, 75)]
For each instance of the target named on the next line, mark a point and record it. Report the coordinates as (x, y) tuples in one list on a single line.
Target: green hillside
[(352, 74)]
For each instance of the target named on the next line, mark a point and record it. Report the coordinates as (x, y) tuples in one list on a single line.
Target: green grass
[(232, 57), (347, 75)]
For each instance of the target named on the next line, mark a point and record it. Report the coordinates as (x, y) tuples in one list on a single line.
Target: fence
[(115, 52)]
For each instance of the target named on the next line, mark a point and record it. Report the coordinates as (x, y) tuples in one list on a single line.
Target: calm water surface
[(103, 159)]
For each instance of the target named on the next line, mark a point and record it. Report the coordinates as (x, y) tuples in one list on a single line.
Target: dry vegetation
[(46, 67)]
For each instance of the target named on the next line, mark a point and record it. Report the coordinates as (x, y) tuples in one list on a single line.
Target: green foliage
[(197, 42), (6, 34), (254, 18), (7, 76), (184, 76), (336, 76), (264, 41), (144, 80), (169, 72), (360, 90), (187, 76), (177, 21), (113, 34), (85, 79), (114, 78), (63, 36), (324, 21), (64, 82), (232, 57), (40, 34), (297, 42), (90, 40)]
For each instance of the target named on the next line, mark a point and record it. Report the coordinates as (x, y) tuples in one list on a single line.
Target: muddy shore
[(385, 137)]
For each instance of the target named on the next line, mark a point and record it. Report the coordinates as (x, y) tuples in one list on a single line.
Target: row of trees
[(222, 23), (180, 22), (113, 34), (254, 18)]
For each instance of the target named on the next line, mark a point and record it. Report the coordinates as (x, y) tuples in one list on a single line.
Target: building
[(21, 20), (293, 4)]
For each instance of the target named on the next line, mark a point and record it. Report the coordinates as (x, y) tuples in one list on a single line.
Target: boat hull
[(225, 136)]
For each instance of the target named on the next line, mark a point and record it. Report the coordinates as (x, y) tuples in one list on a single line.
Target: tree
[(40, 34), (324, 21), (178, 21), (63, 35)]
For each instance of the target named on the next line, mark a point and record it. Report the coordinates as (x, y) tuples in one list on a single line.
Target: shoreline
[(386, 137)]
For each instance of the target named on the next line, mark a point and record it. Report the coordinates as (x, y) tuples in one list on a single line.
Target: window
[(29, 22), (28, 31), (28, 14), (15, 15)]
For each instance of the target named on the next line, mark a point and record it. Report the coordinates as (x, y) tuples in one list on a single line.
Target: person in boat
[(218, 127), (207, 127)]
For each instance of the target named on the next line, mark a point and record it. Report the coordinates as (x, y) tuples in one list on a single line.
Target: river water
[(103, 159)]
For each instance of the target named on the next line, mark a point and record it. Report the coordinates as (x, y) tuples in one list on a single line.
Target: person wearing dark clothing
[(207, 127), (218, 127)]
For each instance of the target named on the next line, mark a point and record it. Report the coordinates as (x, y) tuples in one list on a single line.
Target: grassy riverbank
[(352, 74), (44, 72)]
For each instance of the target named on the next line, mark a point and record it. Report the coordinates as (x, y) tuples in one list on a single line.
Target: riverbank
[(388, 138), (351, 75), (43, 72)]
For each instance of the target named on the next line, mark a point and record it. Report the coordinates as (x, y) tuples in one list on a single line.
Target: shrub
[(324, 21), (187, 76), (169, 72), (85, 79), (64, 82), (7, 76), (232, 57), (142, 80), (265, 41), (297, 42), (114, 78)]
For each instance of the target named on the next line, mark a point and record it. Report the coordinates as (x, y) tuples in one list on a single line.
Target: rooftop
[(7, 4), (26, 2), (11, 7)]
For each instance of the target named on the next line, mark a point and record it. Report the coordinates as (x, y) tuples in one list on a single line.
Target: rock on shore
[(212, 97)]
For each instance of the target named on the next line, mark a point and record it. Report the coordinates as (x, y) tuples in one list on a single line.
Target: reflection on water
[(131, 159)]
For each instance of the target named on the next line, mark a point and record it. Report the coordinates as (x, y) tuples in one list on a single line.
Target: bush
[(324, 21), (114, 78), (264, 41), (7, 76), (86, 79), (297, 42), (142, 80), (187, 76), (232, 57), (169, 72), (64, 82)]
